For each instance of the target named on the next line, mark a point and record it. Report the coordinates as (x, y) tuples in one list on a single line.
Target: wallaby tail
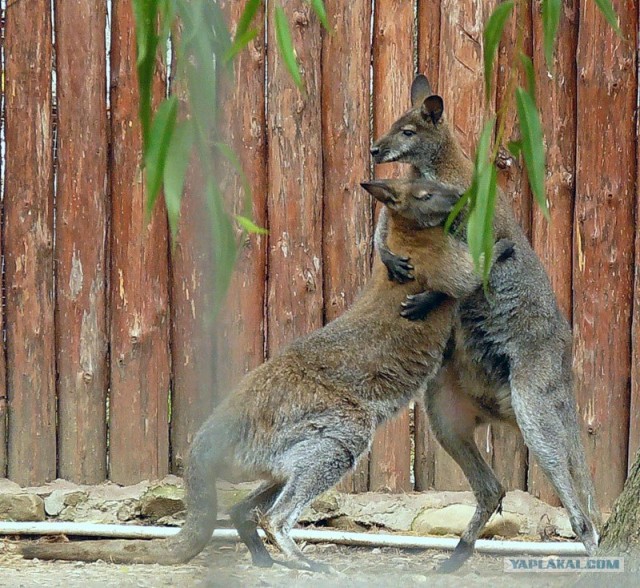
[(206, 452), (582, 478)]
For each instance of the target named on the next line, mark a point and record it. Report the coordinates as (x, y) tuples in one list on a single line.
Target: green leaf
[(175, 171), (550, 21), (159, 140), (225, 246), (321, 12), (147, 39), (248, 14), (482, 197), (248, 225), (239, 44), (492, 35), (515, 148), (285, 45), (609, 13), (232, 158), (532, 145), (456, 210), (527, 64)]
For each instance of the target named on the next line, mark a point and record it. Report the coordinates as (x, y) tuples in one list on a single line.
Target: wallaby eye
[(408, 132), (423, 195)]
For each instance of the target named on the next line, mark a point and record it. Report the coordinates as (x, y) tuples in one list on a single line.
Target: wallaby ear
[(420, 89), (380, 190), (432, 108)]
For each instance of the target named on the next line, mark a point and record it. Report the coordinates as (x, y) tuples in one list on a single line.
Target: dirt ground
[(229, 565)]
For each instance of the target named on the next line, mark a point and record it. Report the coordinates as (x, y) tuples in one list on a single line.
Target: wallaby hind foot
[(452, 416), (544, 425), (245, 517), (313, 466)]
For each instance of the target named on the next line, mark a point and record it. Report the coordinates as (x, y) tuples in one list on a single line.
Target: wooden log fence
[(109, 361)]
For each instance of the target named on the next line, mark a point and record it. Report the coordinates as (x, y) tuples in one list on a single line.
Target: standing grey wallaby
[(513, 356), (303, 419)]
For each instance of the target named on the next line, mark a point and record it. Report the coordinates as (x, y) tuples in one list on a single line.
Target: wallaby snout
[(381, 153)]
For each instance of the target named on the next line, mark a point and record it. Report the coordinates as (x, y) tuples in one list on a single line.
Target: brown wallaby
[(513, 357), (303, 419)]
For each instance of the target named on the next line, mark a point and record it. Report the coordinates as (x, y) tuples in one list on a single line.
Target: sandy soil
[(230, 566)]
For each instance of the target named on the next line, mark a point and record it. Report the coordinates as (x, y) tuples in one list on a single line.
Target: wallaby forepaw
[(418, 306), (505, 249), (399, 268)]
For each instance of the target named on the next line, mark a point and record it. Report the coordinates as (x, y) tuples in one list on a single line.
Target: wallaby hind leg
[(313, 466), (245, 516), (452, 417), (543, 408)]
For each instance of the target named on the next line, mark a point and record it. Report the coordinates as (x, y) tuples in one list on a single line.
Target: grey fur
[(512, 357)]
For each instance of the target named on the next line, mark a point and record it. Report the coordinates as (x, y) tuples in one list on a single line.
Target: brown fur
[(301, 420)]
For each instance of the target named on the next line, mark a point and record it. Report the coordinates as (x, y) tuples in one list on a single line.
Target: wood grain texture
[(347, 220), (509, 457), (634, 412), (461, 84), (429, 40), (295, 282), (390, 465), (604, 240), (4, 407), (241, 331), (192, 278), (140, 362), (553, 241), (28, 204), (428, 64), (81, 204)]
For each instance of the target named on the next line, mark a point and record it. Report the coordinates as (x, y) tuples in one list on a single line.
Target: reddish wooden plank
[(634, 421), (604, 239), (390, 465), (634, 412), (192, 333), (294, 284), (140, 363), (4, 409), (29, 244), (428, 63), (461, 84), (509, 457), (553, 241), (347, 222), (241, 326), (81, 202), (429, 40)]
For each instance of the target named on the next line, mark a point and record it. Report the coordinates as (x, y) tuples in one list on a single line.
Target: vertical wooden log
[(294, 299), (509, 457), (80, 253), (604, 239), (140, 363), (347, 223), (241, 326), (426, 445), (193, 359), (429, 40), (390, 465), (461, 84), (4, 408), (634, 420), (29, 244), (553, 241)]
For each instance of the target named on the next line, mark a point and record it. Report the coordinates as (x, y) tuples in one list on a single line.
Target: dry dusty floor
[(229, 566)]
